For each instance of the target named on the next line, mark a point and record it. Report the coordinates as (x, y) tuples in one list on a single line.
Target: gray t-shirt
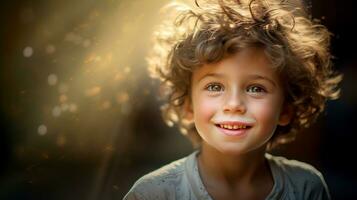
[(180, 180)]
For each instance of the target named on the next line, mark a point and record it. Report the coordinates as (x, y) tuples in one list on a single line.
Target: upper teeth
[(232, 126)]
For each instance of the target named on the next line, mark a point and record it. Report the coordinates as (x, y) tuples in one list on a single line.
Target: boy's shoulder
[(299, 177), (159, 184), (293, 167)]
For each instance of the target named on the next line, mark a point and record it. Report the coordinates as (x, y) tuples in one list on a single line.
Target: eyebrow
[(252, 76), (215, 75), (255, 77)]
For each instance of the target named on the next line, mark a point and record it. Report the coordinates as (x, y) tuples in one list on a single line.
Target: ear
[(187, 113), (286, 115)]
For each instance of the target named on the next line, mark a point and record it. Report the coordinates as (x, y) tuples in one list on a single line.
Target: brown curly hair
[(296, 45)]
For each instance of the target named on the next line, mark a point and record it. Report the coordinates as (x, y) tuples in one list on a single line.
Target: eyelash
[(210, 86), (261, 89)]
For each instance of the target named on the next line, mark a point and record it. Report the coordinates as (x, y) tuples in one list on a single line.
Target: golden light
[(88, 75)]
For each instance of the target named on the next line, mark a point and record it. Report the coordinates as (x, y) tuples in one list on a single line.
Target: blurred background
[(80, 117)]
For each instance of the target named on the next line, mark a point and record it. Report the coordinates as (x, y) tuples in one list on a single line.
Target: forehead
[(247, 62)]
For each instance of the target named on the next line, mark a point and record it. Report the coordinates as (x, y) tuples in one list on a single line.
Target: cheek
[(204, 107), (267, 112)]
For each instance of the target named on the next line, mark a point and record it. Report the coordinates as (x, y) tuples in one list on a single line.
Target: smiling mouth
[(233, 127)]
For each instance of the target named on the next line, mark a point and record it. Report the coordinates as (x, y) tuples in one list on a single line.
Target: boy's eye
[(255, 89), (214, 87)]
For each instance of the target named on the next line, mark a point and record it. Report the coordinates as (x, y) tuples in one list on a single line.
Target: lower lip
[(230, 132)]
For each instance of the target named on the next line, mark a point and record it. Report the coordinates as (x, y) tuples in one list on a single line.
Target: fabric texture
[(180, 180)]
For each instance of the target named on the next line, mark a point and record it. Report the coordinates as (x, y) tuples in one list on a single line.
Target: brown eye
[(214, 87)]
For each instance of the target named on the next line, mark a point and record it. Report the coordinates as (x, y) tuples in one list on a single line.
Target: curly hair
[(297, 46)]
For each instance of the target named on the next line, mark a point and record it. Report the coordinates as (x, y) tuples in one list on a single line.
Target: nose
[(234, 103)]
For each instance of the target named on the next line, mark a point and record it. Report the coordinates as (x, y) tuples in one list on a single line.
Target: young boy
[(240, 78)]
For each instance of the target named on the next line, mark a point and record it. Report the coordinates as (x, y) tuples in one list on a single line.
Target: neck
[(232, 169)]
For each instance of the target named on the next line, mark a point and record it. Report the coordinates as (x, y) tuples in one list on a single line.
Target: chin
[(237, 149), (232, 149)]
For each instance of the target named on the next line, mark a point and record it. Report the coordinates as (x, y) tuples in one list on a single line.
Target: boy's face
[(238, 102)]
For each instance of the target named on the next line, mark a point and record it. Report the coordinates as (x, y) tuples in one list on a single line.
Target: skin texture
[(243, 89)]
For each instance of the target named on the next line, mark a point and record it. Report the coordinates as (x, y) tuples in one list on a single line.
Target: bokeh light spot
[(127, 70), (42, 129), (73, 108), (50, 49), (119, 76), (106, 104), (56, 111), (61, 140), (122, 97), (93, 91), (52, 79), (63, 98), (27, 52)]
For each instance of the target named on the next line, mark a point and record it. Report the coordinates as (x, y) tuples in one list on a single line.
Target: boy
[(240, 78)]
